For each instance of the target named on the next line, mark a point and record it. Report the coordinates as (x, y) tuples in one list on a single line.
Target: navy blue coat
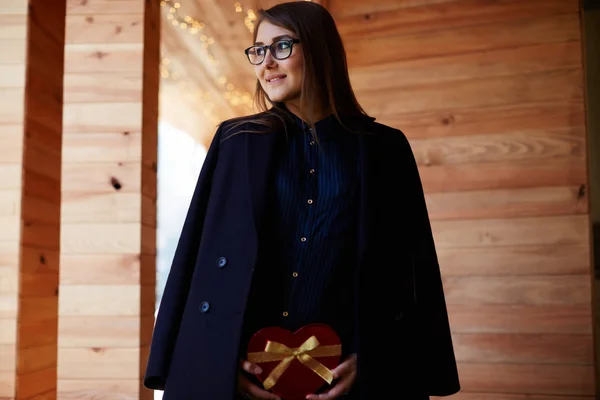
[(404, 341)]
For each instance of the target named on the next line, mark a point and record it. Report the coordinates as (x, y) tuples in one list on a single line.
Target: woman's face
[(287, 88)]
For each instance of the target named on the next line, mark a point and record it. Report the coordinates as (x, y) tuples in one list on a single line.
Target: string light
[(249, 19), (196, 27)]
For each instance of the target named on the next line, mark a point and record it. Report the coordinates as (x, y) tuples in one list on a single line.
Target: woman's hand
[(346, 373), (248, 389)]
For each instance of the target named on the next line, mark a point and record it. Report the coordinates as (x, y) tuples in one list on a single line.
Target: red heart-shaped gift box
[(295, 364)]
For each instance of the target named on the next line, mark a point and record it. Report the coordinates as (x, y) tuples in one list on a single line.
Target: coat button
[(221, 262), (204, 306)]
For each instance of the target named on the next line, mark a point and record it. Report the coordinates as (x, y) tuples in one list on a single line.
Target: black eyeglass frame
[(270, 47)]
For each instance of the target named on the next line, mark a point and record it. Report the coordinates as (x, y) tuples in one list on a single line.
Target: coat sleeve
[(178, 282), (433, 328)]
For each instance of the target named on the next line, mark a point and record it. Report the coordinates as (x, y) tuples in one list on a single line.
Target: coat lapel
[(259, 155)]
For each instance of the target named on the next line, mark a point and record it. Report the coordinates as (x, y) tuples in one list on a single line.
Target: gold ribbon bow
[(310, 348)]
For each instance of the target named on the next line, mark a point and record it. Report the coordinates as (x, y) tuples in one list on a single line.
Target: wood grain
[(505, 118), (99, 363), (495, 318), (522, 349), (465, 39), (553, 231), (542, 379), (443, 16), (504, 175), (527, 290), (557, 143), (104, 28), (508, 203), (516, 261), (527, 88), (502, 62)]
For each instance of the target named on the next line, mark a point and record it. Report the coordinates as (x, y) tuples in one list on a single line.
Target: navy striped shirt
[(307, 244)]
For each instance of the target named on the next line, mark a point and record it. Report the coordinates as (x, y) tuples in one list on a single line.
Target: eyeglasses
[(280, 50)]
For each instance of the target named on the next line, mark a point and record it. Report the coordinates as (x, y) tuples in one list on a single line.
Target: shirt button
[(285, 314), (303, 239), (295, 274), (312, 142), (312, 171), (310, 201)]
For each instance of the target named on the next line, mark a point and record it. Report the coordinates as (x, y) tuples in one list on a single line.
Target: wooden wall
[(31, 87), (108, 220), (490, 95)]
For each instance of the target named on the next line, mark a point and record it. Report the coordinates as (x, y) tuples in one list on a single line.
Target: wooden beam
[(30, 134), (109, 198)]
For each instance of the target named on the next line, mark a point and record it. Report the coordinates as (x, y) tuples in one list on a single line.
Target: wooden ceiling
[(206, 77)]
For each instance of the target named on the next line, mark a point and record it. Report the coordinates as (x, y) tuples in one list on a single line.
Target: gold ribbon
[(310, 348)]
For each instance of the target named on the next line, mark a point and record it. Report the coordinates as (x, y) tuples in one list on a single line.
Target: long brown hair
[(326, 81)]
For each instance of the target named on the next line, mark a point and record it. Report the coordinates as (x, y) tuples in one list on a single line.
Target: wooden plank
[(561, 230), (526, 290), (102, 117), (12, 76), (50, 395), (40, 187), (42, 161), (123, 389), (112, 269), (37, 358), (508, 203), (12, 106), (102, 147), (98, 238), (37, 309), (462, 395), (445, 16), (98, 363), (502, 62), (36, 383), (8, 357), (524, 349), (480, 120), (11, 143), (105, 207), (102, 177), (85, 7), (40, 235), (494, 318), (13, 51), (104, 28), (99, 331), (40, 210), (39, 284), (103, 58), (556, 143), (515, 260), (478, 38), (342, 8), (7, 385), (13, 26), (100, 300), (9, 280), (96, 87), (13, 7), (503, 175), (531, 88), (35, 260), (8, 331), (40, 332), (538, 379)]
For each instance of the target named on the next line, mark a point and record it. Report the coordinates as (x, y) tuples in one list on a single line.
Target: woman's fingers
[(251, 391), (250, 367)]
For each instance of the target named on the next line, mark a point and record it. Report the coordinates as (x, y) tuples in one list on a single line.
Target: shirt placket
[(307, 232)]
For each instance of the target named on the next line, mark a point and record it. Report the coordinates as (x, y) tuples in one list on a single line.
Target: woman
[(306, 212)]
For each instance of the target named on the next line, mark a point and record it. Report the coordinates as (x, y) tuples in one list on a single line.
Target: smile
[(276, 79)]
